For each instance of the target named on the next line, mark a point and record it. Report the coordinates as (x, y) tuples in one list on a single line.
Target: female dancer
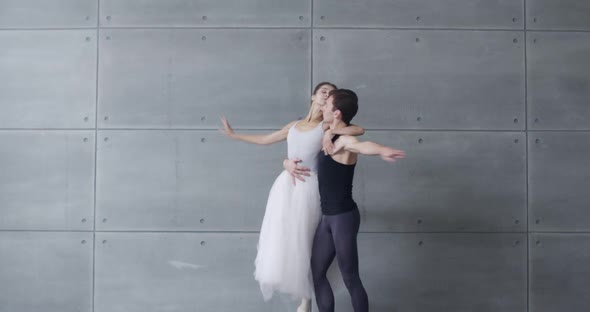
[(293, 209)]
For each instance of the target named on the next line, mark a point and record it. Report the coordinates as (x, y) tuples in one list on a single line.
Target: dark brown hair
[(346, 101), (321, 84)]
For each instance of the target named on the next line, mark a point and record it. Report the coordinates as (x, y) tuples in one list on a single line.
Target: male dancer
[(336, 235)]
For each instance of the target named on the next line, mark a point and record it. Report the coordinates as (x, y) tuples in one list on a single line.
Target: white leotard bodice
[(305, 145)]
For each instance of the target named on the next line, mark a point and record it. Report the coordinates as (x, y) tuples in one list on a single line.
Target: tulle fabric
[(284, 247)]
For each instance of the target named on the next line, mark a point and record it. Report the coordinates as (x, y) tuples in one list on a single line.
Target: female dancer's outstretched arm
[(261, 139)]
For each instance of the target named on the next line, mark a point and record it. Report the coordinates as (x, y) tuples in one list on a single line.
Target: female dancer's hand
[(296, 171), (227, 130), (327, 144)]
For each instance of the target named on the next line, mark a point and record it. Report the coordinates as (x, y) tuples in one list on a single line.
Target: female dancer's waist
[(311, 173)]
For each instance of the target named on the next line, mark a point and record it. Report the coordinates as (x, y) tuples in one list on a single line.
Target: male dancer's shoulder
[(344, 140)]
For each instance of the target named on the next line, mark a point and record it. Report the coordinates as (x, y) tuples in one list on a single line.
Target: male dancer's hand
[(296, 171), (389, 154)]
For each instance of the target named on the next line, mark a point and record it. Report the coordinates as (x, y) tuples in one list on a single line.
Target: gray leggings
[(336, 237)]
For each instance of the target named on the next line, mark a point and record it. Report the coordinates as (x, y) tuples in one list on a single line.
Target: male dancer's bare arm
[(328, 145), (261, 139), (351, 144), (296, 171)]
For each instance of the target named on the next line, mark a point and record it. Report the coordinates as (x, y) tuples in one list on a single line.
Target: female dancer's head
[(318, 99)]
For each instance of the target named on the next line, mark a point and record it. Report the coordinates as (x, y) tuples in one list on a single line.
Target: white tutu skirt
[(286, 236)]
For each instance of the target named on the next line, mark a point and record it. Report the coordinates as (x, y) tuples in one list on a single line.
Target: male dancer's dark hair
[(346, 101)]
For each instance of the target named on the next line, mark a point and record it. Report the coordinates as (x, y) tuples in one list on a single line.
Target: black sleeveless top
[(335, 182)]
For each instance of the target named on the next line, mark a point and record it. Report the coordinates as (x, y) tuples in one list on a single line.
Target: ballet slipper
[(305, 306)]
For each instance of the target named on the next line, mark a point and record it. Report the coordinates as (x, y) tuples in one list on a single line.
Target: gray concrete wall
[(118, 194)]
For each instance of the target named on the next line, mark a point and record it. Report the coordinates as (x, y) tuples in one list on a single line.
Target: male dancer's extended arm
[(353, 145), (261, 139), (350, 144)]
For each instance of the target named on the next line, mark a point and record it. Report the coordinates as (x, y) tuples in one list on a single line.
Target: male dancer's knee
[(352, 280), (318, 274)]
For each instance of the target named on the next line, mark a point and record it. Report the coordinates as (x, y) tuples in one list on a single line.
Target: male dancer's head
[(341, 106)]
